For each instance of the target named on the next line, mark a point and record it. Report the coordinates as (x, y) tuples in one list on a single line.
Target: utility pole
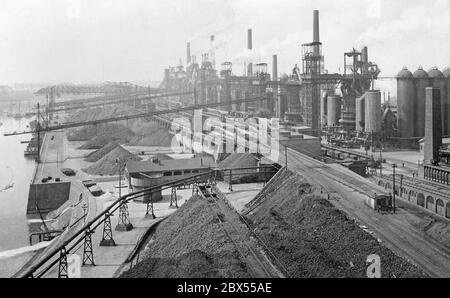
[(38, 128), (381, 159), (124, 223), (393, 186), (286, 156), (195, 96)]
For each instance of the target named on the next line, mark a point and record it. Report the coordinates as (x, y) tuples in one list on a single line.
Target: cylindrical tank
[(333, 110), (372, 105), (437, 80), (323, 109), (360, 114), (274, 68), (421, 82), (405, 103)]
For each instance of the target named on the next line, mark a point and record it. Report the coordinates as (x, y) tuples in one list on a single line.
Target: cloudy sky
[(134, 40)]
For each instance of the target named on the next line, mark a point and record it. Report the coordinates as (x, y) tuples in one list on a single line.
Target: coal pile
[(313, 239), (190, 243), (95, 113), (99, 136), (107, 165), (100, 153), (150, 134)]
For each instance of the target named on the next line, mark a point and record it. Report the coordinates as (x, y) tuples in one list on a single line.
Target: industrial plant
[(221, 172)]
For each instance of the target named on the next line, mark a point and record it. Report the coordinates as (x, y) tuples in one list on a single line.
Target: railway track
[(399, 235), (258, 264)]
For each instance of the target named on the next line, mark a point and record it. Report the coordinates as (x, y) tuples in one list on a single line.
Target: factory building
[(146, 174)]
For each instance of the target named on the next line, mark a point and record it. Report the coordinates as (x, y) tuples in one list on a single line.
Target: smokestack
[(316, 36), (188, 53), (365, 59), (275, 68), (212, 55), (250, 70), (249, 40)]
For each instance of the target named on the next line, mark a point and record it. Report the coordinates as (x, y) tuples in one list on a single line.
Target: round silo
[(323, 109), (372, 113), (437, 80), (360, 114), (405, 103), (421, 82), (333, 110)]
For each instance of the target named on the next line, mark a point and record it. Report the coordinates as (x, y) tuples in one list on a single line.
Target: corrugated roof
[(170, 165)]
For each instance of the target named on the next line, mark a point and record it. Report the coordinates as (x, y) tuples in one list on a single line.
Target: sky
[(91, 41)]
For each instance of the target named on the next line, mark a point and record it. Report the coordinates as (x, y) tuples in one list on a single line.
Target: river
[(15, 168)]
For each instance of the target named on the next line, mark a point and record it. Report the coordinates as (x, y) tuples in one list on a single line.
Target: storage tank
[(360, 114), (437, 80), (333, 110), (421, 81), (323, 109), (405, 103), (372, 115)]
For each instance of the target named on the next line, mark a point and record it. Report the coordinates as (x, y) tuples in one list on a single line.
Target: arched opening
[(421, 200), (440, 207), (403, 192), (430, 203), (387, 186), (381, 183), (410, 195), (447, 211)]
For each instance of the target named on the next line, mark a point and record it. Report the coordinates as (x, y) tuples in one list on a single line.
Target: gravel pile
[(314, 239), (107, 164), (190, 243)]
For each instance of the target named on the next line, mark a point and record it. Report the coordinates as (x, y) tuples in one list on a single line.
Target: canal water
[(16, 170)]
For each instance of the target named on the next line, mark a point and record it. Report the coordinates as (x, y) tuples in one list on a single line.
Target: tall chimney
[(316, 36), (275, 68), (365, 59), (249, 40), (212, 55), (188, 53)]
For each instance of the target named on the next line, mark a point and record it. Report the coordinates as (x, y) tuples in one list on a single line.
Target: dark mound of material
[(100, 153), (314, 239), (150, 134), (191, 243), (107, 165), (194, 264), (100, 135), (95, 143)]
